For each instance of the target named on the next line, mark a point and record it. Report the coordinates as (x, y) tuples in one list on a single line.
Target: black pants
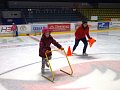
[(84, 40)]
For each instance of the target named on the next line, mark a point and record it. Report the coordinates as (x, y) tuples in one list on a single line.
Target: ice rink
[(20, 64)]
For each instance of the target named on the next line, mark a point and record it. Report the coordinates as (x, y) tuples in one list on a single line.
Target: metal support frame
[(52, 73)]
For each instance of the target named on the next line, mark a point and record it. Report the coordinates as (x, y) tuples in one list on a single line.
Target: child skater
[(80, 35), (44, 46)]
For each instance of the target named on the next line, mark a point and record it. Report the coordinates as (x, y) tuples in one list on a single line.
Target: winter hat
[(44, 30), (84, 21)]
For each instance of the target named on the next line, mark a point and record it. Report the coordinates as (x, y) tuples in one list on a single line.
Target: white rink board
[(24, 29), (27, 28)]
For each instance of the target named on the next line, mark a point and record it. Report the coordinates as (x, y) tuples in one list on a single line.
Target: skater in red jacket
[(44, 46), (80, 35)]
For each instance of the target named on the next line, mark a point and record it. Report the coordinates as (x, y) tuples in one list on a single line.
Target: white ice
[(19, 58)]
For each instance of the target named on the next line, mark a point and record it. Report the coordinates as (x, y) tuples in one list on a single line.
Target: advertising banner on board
[(59, 27), (103, 25)]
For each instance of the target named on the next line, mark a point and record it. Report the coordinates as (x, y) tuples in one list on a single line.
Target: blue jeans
[(44, 61)]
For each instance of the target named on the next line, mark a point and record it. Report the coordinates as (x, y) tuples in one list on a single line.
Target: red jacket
[(81, 32), (45, 45), (14, 28)]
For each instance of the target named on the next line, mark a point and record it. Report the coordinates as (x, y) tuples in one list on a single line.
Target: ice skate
[(42, 70), (85, 54)]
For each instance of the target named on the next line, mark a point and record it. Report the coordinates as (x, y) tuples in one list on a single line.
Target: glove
[(61, 48), (90, 38), (47, 51)]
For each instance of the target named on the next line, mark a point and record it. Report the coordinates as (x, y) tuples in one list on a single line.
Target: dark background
[(90, 1)]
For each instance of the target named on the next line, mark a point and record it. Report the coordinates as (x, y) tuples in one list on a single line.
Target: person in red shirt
[(44, 46), (14, 29), (80, 35)]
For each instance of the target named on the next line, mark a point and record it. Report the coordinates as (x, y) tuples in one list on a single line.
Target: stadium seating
[(101, 13), (52, 14), (57, 14)]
